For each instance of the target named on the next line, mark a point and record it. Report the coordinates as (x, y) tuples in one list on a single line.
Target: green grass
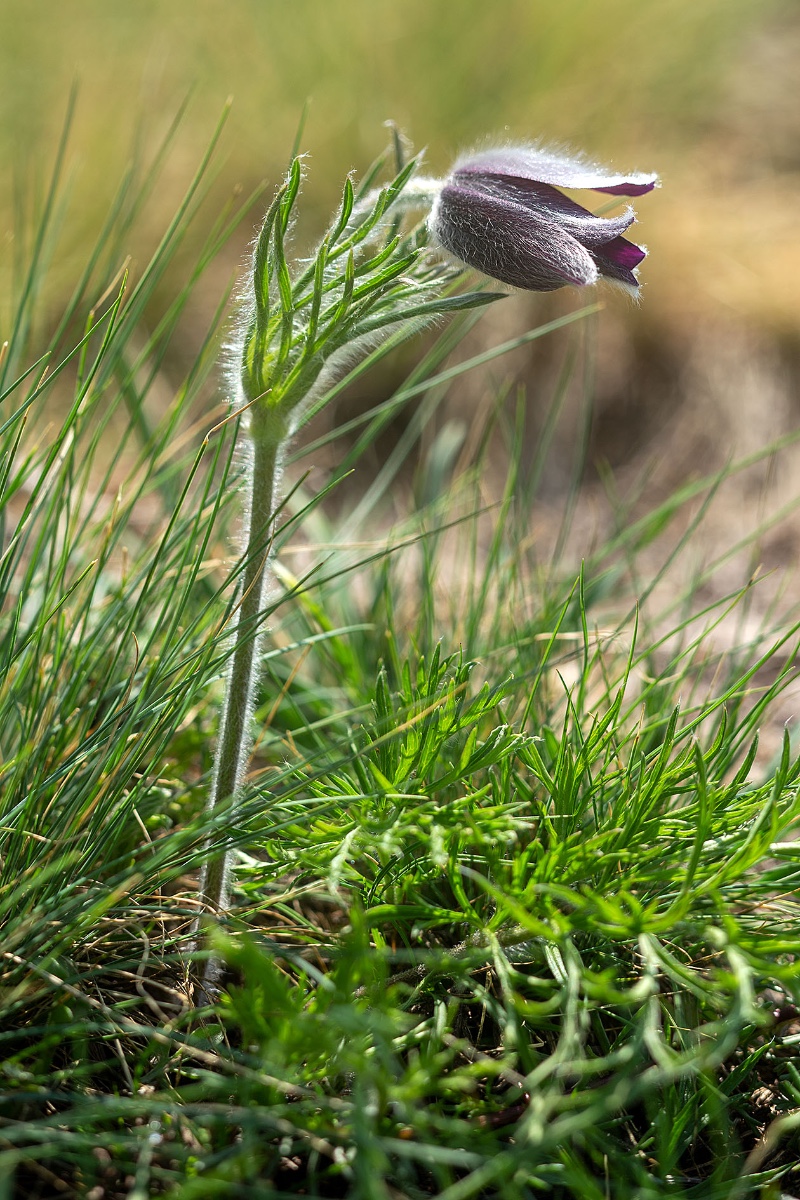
[(515, 905)]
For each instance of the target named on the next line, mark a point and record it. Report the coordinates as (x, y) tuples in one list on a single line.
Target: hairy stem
[(235, 738)]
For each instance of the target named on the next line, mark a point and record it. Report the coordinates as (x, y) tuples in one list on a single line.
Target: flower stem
[(235, 738), (365, 281)]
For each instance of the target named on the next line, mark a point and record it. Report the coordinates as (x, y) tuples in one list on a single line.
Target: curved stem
[(235, 738)]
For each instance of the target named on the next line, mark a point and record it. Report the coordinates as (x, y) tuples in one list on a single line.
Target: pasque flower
[(501, 212)]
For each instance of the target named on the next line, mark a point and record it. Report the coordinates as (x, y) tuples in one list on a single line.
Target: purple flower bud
[(500, 212)]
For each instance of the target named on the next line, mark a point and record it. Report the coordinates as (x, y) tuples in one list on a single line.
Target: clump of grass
[(513, 908)]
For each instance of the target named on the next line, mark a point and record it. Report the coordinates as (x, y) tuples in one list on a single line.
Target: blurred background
[(703, 91)]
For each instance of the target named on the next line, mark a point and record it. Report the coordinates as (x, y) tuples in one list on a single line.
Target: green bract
[(366, 277)]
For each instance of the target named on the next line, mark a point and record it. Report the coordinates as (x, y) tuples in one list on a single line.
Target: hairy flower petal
[(561, 170), (555, 206), (505, 240)]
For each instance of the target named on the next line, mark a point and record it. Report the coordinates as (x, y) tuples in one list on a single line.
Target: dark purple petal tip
[(630, 187), (624, 253), (618, 260)]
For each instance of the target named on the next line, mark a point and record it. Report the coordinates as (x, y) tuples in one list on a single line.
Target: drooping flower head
[(500, 211)]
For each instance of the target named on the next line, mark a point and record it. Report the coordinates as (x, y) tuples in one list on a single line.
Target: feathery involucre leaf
[(363, 280)]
